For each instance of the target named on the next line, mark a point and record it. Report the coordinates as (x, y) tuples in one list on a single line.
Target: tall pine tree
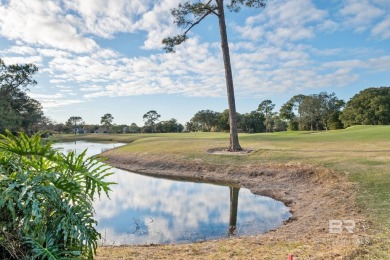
[(187, 16)]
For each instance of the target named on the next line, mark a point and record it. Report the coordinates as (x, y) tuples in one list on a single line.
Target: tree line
[(301, 112), (76, 125), (322, 111)]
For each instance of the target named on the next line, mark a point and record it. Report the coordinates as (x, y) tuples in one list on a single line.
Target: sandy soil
[(315, 196)]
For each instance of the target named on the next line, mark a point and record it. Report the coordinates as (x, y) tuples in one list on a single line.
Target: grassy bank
[(362, 153)]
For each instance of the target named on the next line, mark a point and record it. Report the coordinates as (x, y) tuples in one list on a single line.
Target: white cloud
[(105, 18), (382, 29), (379, 64), (53, 53), (47, 104), (273, 55), (54, 100), (186, 204), (91, 88), (42, 23), (22, 50), (45, 96), (22, 60), (352, 64), (158, 23), (282, 21), (360, 14), (373, 64)]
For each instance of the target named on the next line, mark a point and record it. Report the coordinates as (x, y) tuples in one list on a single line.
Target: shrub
[(46, 200)]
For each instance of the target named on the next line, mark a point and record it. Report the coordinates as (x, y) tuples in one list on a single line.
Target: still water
[(148, 210)]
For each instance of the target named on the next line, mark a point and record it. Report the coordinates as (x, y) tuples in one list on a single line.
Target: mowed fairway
[(362, 153)]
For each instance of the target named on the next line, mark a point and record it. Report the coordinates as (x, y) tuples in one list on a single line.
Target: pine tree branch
[(199, 10), (198, 21)]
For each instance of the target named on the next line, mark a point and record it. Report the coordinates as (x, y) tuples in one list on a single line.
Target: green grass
[(361, 152)]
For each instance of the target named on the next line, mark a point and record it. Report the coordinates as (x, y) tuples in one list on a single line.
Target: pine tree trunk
[(234, 144)]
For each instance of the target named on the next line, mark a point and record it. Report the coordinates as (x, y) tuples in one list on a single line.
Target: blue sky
[(97, 56)]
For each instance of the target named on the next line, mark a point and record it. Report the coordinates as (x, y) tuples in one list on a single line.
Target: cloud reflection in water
[(145, 210)]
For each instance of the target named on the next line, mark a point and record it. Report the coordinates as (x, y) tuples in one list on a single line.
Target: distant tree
[(106, 121), (44, 124), (187, 16), (133, 128), (75, 121), (90, 128), (297, 101), (170, 126), (252, 122), (278, 124), (150, 119), (207, 119), (223, 121), (310, 111), (330, 110), (321, 110), (266, 108), (193, 127), (59, 128), (287, 112), (17, 110), (369, 107), (119, 129)]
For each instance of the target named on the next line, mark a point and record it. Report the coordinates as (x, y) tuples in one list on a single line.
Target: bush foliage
[(46, 200)]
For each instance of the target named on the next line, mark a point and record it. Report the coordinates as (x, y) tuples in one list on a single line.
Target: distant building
[(101, 130)]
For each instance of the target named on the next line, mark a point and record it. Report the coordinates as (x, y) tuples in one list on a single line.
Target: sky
[(98, 56)]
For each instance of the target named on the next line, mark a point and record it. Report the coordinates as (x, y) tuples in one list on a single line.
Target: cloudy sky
[(99, 56)]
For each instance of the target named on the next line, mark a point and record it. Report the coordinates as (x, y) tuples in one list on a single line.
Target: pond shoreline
[(315, 195)]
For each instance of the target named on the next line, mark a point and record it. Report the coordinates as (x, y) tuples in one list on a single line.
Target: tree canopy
[(106, 121), (266, 107), (205, 120), (150, 118), (369, 107), (17, 110), (317, 111), (75, 121)]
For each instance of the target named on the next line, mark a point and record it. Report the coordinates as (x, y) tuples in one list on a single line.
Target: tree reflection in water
[(145, 210), (233, 210)]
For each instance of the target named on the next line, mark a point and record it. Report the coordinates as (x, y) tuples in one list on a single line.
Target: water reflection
[(145, 210), (233, 209)]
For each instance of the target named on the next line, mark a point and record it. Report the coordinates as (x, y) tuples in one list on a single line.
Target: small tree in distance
[(75, 121), (106, 121), (207, 119), (150, 118), (266, 108), (188, 15)]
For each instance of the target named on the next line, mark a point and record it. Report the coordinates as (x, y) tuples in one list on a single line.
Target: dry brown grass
[(333, 175)]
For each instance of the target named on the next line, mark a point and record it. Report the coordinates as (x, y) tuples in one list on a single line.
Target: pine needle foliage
[(46, 200)]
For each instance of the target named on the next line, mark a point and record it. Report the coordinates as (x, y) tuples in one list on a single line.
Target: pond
[(150, 210)]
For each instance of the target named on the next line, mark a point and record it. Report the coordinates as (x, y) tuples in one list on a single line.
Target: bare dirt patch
[(224, 151), (314, 194)]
